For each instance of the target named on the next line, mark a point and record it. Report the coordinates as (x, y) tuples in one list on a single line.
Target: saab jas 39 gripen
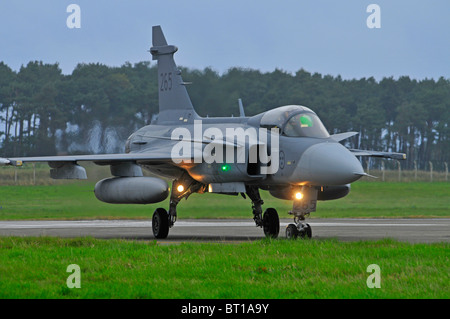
[(286, 151)]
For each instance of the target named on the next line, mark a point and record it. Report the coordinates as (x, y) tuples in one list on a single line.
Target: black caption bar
[(212, 308)]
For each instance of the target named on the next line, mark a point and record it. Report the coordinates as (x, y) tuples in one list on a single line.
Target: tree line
[(96, 107)]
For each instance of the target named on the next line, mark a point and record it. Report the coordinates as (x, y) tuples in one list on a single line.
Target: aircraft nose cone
[(328, 164)]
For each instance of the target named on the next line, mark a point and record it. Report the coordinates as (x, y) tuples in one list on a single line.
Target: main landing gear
[(160, 223), (269, 221), (162, 220), (181, 188), (304, 203)]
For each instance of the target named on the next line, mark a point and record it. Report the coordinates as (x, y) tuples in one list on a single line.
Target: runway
[(236, 230)]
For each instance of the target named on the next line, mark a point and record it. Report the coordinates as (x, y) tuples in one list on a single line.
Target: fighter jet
[(286, 151)]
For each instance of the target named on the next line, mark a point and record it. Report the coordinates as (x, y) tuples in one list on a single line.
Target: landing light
[(180, 188), (298, 195)]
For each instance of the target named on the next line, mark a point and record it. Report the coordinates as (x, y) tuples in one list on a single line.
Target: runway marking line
[(148, 224)]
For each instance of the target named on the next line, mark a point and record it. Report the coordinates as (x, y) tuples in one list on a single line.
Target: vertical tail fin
[(174, 101), (158, 38)]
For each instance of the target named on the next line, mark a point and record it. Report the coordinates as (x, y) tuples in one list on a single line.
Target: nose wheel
[(302, 230), (301, 208)]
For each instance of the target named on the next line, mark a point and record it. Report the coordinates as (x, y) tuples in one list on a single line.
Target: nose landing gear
[(302, 230), (302, 206)]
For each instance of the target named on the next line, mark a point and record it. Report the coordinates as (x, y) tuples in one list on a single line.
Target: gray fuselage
[(314, 161)]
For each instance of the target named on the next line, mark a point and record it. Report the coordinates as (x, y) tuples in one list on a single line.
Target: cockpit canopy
[(295, 121)]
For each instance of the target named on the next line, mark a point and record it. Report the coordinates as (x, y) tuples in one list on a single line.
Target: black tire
[(291, 231), (305, 232), (160, 223), (308, 231), (271, 223)]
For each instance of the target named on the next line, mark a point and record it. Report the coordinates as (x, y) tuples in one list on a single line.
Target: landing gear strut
[(182, 187), (253, 194), (270, 222)]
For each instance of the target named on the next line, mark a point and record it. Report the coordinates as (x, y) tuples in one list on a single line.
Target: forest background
[(96, 107)]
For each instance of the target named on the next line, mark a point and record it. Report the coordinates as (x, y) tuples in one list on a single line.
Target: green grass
[(76, 200), (367, 199), (36, 268)]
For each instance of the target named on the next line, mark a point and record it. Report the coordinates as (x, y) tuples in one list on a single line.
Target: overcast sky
[(325, 36)]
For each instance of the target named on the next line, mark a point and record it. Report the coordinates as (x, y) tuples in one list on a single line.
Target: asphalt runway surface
[(236, 230)]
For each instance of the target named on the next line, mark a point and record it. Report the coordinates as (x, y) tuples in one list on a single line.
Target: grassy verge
[(36, 268), (366, 199)]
